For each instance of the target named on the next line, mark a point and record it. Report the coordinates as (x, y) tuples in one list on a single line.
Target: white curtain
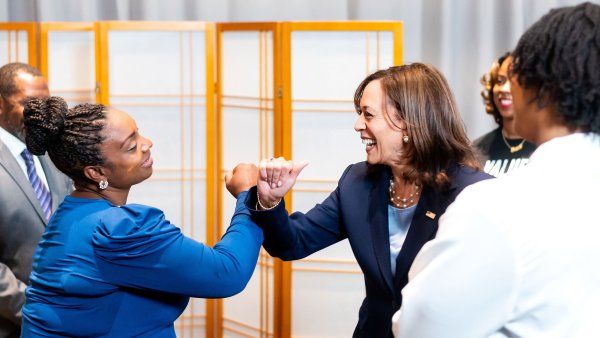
[(460, 37)]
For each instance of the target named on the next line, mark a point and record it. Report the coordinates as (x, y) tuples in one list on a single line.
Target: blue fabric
[(398, 224), (107, 271), (41, 192)]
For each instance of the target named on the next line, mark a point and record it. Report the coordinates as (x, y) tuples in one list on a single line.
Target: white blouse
[(518, 256)]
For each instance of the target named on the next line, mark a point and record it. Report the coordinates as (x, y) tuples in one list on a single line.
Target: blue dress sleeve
[(137, 247)]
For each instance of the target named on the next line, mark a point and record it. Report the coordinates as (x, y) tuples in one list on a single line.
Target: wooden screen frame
[(102, 28), (46, 27), (32, 38), (282, 113), (287, 28), (282, 32), (275, 29)]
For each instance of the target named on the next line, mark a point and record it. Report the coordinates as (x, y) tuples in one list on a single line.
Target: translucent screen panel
[(71, 66), (159, 79), (326, 69), (13, 46), (247, 136)]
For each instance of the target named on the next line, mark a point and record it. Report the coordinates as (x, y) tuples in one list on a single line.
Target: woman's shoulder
[(133, 229), (484, 142), (130, 219), (361, 177), (462, 176), (362, 172), (131, 211), (139, 210)]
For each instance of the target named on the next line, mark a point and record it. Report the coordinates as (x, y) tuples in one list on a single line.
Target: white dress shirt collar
[(14, 145)]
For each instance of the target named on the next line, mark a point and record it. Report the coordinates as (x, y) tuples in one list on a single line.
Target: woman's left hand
[(276, 177)]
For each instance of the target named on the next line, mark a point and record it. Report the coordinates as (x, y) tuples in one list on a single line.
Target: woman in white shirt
[(518, 256)]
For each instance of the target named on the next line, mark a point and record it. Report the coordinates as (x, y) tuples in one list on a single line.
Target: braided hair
[(558, 57), (70, 136)]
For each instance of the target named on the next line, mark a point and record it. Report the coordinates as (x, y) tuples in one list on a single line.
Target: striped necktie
[(41, 192)]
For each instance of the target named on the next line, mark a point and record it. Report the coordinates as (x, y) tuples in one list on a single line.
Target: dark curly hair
[(70, 136), (489, 80), (559, 58)]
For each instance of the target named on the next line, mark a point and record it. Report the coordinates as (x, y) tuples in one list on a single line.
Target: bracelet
[(262, 207)]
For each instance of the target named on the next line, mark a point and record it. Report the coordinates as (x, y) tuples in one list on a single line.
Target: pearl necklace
[(403, 203)]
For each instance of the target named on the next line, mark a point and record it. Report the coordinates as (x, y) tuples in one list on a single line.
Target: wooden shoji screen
[(323, 63), (162, 73), (248, 116), (283, 89), (19, 42), (317, 66), (68, 60)]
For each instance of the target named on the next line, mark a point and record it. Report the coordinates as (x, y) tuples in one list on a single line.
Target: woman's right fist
[(241, 178)]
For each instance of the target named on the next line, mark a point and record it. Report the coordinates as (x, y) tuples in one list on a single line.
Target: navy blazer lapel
[(378, 214), (422, 229), (8, 162)]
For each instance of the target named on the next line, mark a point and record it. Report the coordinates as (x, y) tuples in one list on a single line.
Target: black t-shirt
[(495, 155)]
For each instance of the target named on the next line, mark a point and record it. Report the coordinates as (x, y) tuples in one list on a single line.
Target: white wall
[(461, 37)]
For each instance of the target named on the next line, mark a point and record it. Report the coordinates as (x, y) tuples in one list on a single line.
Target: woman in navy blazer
[(418, 160)]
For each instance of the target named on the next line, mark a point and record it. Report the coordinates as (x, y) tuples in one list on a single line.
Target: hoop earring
[(103, 184), (405, 138)]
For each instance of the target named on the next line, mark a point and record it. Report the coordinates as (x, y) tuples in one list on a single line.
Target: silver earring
[(103, 184), (405, 138)]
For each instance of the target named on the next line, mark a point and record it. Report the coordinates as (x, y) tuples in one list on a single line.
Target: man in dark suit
[(31, 190)]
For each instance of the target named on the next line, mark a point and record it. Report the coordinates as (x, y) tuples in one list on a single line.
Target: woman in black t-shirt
[(501, 150)]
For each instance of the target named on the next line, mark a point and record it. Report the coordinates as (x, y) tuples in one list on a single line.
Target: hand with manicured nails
[(276, 177), (241, 178)]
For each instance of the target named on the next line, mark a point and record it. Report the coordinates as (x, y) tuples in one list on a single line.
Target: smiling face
[(382, 137), (127, 153), (501, 91), (11, 107)]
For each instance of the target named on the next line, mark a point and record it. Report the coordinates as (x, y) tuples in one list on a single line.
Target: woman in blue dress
[(105, 268)]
